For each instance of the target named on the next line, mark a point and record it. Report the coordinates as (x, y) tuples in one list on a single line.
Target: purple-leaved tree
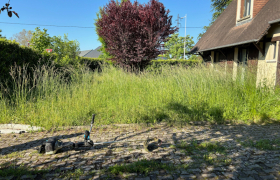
[(133, 32)]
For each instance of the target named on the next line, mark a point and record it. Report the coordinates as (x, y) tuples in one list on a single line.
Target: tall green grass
[(175, 94)]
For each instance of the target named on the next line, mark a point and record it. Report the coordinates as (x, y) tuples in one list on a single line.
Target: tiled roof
[(91, 53), (225, 33)]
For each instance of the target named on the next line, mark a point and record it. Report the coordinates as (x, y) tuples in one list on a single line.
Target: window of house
[(245, 9), (242, 56)]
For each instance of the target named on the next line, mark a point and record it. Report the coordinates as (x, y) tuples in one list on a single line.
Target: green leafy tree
[(40, 40), (64, 47), (1, 35), (195, 58), (218, 6), (23, 37), (175, 46), (67, 51)]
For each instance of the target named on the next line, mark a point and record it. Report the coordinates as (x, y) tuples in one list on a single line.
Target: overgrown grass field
[(175, 94)]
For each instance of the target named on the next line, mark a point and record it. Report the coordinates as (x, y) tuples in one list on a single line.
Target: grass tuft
[(142, 166)]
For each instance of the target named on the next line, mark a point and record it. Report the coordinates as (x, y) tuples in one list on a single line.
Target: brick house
[(246, 34)]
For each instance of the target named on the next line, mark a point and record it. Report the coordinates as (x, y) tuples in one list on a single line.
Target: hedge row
[(157, 63), (12, 53), (94, 63)]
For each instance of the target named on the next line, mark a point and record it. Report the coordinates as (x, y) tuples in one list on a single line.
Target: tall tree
[(105, 54), (175, 46), (65, 47), (23, 37), (67, 50), (218, 6), (133, 32), (40, 40)]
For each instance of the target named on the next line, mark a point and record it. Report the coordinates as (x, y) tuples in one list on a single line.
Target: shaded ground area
[(190, 152)]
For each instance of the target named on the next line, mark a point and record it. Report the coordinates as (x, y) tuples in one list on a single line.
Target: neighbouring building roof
[(91, 53), (226, 33)]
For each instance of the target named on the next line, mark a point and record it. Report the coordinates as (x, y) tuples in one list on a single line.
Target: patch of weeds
[(13, 155), (118, 149), (193, 146), (19, 171), (130, 149), (263, 144), (183, 166), (213, 159), (73, 174), (34, 152), (213, 147), (142, 166), (227, 161)]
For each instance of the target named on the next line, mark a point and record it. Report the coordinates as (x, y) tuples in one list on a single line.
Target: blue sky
[(82, 13)]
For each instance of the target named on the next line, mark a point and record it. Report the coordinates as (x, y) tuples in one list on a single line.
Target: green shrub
[(12, 53), (94, 63)]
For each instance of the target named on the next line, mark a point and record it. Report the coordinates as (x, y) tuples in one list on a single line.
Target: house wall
[(267, 64), (274, 30), (235, 63), (278, 68), (258, 5)]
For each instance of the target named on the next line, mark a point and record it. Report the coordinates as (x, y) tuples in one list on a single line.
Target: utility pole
[(178, 24), (185, 36)]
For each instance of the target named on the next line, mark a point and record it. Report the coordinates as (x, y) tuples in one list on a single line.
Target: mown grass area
[(175, 94)]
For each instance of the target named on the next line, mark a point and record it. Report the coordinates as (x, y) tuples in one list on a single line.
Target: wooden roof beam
[(259, 48)]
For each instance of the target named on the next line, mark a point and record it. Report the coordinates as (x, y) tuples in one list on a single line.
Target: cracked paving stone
[(145, 178), (250, 172), (208, 175), (194, 170), (269, 177), (188, 176), (86, 177), (28, 176), (270, 171), (167, 177), (247, 178)]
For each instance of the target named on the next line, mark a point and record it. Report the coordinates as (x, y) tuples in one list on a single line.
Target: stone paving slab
[(17, 128), (18, 152)]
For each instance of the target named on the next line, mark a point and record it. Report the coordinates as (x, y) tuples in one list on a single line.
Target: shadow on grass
[(199, 112)]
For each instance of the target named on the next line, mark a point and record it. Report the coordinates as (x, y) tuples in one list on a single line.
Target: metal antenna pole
[(185, 35), (178, 22)]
